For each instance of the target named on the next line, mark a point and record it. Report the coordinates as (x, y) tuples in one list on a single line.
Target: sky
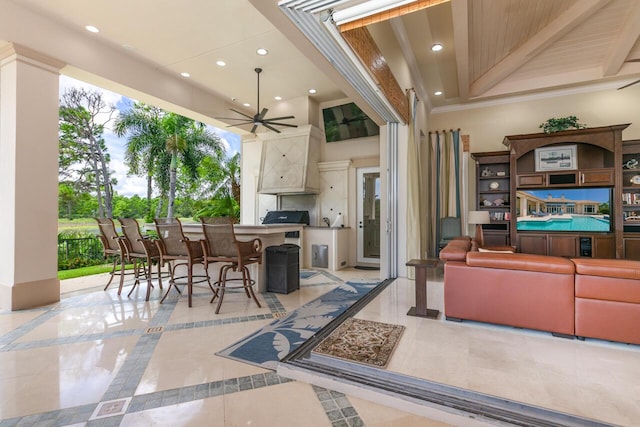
[(131, 185)]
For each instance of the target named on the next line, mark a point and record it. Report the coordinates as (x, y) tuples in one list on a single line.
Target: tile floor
[(99, 359)]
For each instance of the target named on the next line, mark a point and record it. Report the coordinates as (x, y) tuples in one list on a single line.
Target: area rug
[(362, 341), (268, 345)]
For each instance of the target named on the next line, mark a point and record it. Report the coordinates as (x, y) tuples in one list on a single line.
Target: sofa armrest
[(520, 261), (456, 250), (619, 268)]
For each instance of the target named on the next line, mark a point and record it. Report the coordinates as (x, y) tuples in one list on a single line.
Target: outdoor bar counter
[(270, 235)]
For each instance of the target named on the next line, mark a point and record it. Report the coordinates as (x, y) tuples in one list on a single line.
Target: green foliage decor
[(557, 124)]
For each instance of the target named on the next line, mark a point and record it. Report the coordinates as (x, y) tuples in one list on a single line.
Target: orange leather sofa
[(521, 290), (608, 299), (585, 297)]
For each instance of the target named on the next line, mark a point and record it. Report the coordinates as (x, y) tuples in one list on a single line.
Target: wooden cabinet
[(564, 245), (493, 194), (591, 157), (568, 245), (597, 177), (631, 187), (582, 178), (532, 243), (632, 246)]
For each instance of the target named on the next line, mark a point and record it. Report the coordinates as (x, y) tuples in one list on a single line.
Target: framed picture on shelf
[(556, 158)]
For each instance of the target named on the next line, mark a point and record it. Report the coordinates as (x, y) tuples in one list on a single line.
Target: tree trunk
[(149, 191), (106, 182), (98, 185), (173, 171), (159, 207)]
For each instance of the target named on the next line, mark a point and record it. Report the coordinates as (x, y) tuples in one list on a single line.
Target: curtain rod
[(443, 131)]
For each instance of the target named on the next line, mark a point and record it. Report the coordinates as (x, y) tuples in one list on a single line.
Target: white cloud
[(131, 185)]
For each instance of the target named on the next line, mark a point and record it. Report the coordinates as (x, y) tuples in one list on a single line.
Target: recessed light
[(262, 51), (221, 63), (92, 29), (185, 74), (246, 104), (278, 98), (436, 47), (437, 93), (312, 91)]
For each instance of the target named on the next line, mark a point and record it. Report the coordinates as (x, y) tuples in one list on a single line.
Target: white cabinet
[(289, 162), (336, 240), (334, 190)]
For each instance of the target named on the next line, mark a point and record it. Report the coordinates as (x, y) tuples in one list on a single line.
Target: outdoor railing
[(79, 252)]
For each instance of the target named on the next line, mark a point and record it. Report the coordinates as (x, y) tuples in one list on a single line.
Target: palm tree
[(223, 175), (145, 146), (159, 141)]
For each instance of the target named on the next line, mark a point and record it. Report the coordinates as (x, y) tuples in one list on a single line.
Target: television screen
[(347, 122), (567, 209)]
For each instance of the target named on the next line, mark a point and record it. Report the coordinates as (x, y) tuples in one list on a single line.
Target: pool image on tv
[(567, 209)]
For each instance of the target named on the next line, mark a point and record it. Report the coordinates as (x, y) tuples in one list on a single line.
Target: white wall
[(488, 124)]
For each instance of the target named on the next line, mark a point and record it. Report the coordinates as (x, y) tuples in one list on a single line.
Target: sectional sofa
[(581, 297)]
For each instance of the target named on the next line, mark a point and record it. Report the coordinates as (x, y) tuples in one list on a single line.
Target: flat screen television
[(347, 121), (564, 210)]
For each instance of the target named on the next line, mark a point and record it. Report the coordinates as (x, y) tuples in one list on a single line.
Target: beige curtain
[(415, 218), (448, 192)]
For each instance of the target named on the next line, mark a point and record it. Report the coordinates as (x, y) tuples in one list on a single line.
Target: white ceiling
[(493, 48)]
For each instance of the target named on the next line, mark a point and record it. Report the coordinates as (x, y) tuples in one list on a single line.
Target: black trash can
[(283, 268)]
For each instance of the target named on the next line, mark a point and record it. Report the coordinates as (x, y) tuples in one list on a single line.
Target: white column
[(28, 178)]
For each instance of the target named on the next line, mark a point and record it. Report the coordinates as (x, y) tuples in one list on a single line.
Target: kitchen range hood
[(289, 162)]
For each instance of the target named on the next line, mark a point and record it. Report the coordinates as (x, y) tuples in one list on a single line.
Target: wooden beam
[(625, 41), (391, 13), (559, 27), (460, 14), (363, 45)]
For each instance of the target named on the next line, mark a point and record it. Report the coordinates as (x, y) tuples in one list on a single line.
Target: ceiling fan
[(259, 118), (348, 120), (632, 83)]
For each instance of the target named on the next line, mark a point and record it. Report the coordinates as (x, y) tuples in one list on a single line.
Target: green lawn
[(84, 271)]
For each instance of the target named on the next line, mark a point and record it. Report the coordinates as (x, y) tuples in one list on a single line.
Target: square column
[(28, 178)]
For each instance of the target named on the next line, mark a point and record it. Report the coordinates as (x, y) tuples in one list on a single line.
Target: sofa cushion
[(456, 250), (623, 269), (520, 261), (608, 288), (498, 249)]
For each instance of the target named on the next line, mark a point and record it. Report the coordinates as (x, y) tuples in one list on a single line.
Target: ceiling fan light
[(436, 47)]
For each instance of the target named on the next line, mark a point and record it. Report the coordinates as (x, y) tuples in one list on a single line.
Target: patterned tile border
[(338, 408), (122, 388)]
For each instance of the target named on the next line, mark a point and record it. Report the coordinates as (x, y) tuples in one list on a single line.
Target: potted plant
[(557, 124)]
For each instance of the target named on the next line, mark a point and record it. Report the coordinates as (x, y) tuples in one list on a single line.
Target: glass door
[(368, 212)]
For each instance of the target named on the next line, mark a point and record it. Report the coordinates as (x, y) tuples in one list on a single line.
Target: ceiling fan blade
[(230, 118), (263, 112), (265, 124), (630, 84), (282, 118), (241, 113), (253, 129)]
